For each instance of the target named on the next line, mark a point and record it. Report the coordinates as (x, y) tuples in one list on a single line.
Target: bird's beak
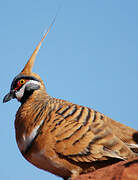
[(9, 96)]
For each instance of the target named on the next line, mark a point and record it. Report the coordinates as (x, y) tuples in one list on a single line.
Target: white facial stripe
[(20, 93)]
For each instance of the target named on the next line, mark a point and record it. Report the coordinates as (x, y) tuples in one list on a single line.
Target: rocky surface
[(124, 170)]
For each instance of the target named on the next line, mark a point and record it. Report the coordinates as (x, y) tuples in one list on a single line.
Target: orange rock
[(124, 170)]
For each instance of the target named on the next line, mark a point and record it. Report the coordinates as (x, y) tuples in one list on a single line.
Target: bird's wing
[(83, 135)]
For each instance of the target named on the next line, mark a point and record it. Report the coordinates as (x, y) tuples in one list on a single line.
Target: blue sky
[(90, 57)]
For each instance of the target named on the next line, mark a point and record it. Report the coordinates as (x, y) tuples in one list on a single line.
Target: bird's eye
[(22, 81)]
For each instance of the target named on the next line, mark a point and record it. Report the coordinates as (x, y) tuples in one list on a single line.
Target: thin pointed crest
[(29, 65)]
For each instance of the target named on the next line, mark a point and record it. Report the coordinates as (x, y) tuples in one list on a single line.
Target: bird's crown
[(27, 81)]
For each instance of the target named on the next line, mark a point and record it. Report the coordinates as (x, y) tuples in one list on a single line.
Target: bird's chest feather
[(26, 136), (36, 143), (28, 123), (37, 146)]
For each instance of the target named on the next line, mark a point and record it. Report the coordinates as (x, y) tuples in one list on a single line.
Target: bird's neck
[(29, 109), (29, 116), (38, 95)]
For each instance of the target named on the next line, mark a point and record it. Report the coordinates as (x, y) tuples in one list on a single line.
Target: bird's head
[(26, 82), (23, 86)]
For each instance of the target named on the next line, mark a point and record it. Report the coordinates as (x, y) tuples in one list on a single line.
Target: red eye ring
[(20, 83)]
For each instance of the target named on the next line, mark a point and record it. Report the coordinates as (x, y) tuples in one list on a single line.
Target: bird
[(61, 137)]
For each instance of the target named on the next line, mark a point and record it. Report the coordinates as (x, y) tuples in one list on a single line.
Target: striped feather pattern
[(70, 135), (82, 131)]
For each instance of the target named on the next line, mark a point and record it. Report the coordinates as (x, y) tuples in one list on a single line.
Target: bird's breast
[(39, 151), (25, 140)]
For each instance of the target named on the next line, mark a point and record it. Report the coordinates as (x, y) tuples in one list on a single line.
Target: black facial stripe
[(21, 76)]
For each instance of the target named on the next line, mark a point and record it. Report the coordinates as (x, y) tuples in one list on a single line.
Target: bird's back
[(80, 126)]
